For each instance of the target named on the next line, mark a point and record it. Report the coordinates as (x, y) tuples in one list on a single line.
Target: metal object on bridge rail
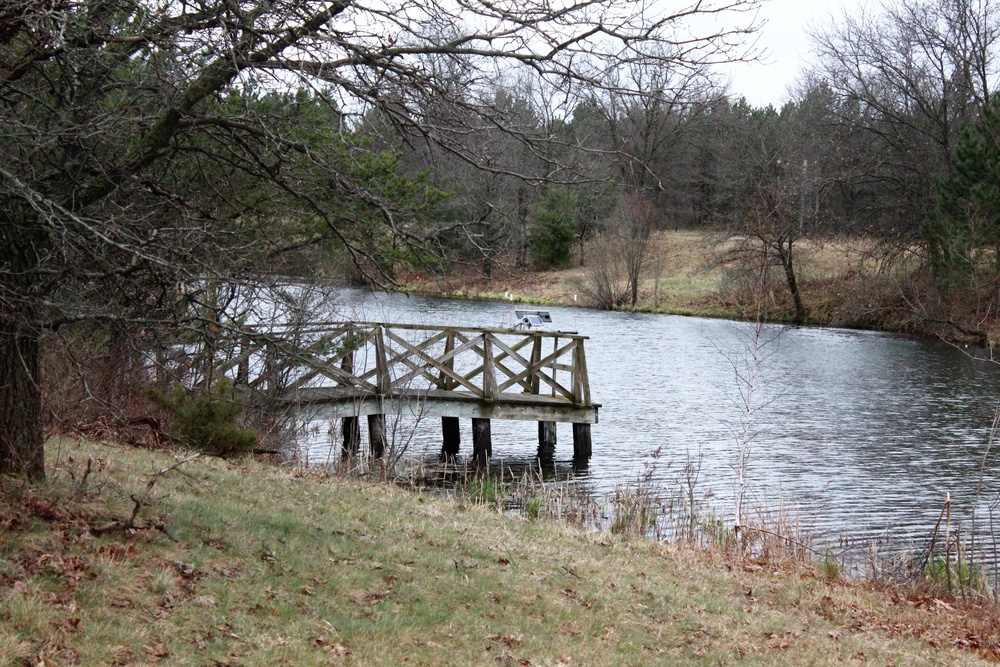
[(532, 319), (349, 370)]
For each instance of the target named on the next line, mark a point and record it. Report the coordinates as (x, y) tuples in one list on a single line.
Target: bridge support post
[(452, 438), (582, 446), (482, 443), (376, 435), (352, 436), (350, 425), (546, 440)]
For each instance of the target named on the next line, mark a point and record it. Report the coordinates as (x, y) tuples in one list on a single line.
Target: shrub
[(206, 420)]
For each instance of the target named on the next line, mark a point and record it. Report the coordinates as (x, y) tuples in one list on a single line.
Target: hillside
[(248, 564)]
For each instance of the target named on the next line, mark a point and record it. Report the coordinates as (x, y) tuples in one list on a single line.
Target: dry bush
[(604, 283), (95, 384)]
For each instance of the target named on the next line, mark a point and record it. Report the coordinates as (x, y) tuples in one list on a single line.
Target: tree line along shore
[(696, 273)]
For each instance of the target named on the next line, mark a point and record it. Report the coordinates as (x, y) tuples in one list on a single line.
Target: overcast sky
[(785, 39)]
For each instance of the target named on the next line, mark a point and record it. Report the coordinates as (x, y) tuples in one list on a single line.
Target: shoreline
[(838, 289)]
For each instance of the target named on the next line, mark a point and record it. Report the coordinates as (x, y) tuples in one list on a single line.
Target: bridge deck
[(339, 402)]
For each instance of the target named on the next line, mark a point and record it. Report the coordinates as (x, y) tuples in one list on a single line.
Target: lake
[(861, 433)]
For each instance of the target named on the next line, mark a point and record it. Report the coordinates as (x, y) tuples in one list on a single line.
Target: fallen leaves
[(41, 660), (336, 648), (510, 641), (573, 595), (116, 553), (782, 641), (158, 651)]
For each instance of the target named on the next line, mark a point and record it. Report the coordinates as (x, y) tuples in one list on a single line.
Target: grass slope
[(285, 567)]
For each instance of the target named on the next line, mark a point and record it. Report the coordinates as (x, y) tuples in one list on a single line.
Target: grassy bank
[(245, 564), (685, 274)]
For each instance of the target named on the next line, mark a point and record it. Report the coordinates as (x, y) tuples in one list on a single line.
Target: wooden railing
[(387, 359)]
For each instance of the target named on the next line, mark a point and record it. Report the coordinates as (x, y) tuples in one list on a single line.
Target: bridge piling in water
[(546, 440), (482, 442), (583, 447), (451, 432), (376, 435), (349, 425), (351, 428)]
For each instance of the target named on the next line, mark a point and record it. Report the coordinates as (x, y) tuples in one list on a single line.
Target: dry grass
[(683, 274), (286, 567), (842, 281)]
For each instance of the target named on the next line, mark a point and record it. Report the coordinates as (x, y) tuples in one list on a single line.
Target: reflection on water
[(862, 432)]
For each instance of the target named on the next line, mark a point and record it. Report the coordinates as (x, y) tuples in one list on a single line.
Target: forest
[(889, 142), (164, 164)]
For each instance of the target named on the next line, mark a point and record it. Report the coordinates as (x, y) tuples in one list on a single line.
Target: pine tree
[(966, 220)]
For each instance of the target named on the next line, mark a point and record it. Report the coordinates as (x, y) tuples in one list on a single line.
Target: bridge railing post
[(582, 444), (451, 433), (536, 358), (581, 383), (555, 361), (445, 381), (490, 390), (382, 379), (349, 425)]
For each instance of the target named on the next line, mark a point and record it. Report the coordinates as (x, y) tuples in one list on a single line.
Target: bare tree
[(136, 157), (632, 223), (613, 278), (605, 281), (780, 175), (909, 76)]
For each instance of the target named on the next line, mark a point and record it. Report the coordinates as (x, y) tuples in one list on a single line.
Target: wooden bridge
[(349, 370), (454, 373)]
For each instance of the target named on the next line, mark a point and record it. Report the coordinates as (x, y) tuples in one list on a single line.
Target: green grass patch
[(239, 563)]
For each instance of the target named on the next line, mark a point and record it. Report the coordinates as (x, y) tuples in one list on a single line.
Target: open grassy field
[(247, 564), (692, 273)]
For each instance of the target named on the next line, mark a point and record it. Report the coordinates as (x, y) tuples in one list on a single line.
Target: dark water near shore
[(862, 433)]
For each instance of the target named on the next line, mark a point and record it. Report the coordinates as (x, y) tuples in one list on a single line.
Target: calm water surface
[(862, 433)]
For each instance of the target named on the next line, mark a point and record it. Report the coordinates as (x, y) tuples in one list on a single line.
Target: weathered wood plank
[(581, 383), (438, 403), (425, 370), (490, 390), (340, 325), (444, 365), (446, 381), (383, 381)]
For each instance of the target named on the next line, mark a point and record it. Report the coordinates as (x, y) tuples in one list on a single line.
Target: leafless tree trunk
[(633, 224)]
